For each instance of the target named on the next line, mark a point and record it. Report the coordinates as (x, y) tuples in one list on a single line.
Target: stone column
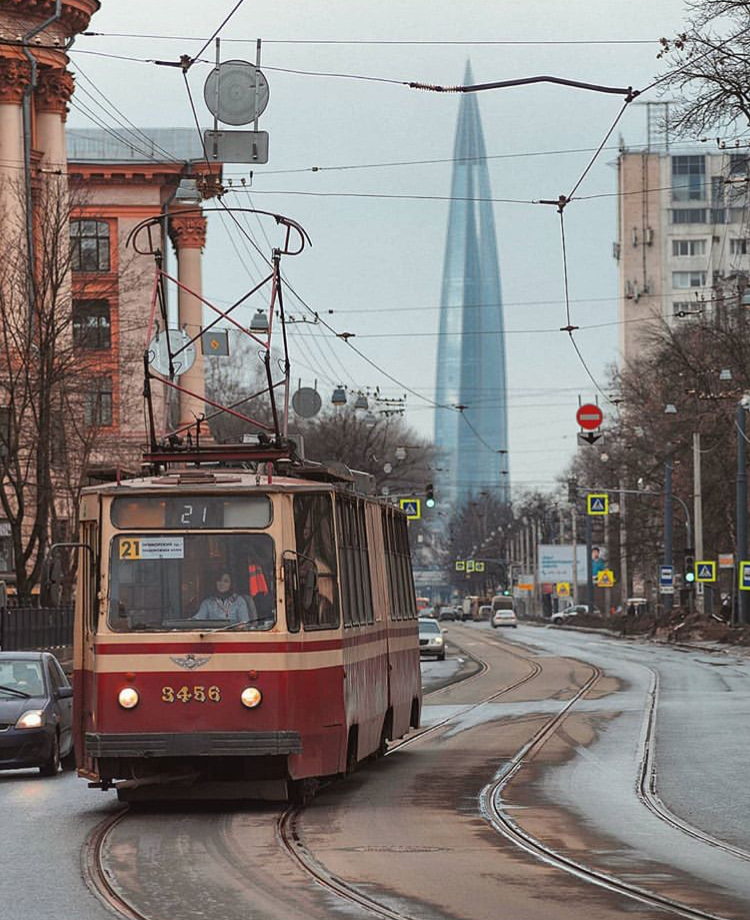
[(188, 233), (53, 91), (14, 77)]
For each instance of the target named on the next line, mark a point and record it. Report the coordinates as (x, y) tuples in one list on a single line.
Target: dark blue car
[(36, 713)]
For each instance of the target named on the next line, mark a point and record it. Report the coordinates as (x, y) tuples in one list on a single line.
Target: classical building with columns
[(117, 180)]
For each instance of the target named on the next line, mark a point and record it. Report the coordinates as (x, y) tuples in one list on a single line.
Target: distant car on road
[(448, 613), (504, 618), (431, 641), (36, 713), (485, 612), (569, 613)]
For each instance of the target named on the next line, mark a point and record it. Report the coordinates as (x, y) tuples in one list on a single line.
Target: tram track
[(290, 837), (96, 875), (646, 785)]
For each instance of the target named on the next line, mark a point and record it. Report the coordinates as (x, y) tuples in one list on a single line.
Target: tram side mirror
[(292, 594), (52, 579), (3, 595), (309, 587)]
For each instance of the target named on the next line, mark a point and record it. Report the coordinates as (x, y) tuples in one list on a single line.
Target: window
[(97, 404), (6, 548), (356, 592), (165, 582), (316, 548), (738, 164), (688, 247), (688, 215), (398, 567), (683, 309), (91, 327), (688, 178), (738, 247), (89, 245), (688, 279)]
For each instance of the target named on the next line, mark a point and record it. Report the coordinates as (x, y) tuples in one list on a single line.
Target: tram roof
[(230, 481)]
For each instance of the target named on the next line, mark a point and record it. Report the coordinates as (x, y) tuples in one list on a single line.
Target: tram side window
[(354, 562), (410, 604), (391, 565), (313, 524)]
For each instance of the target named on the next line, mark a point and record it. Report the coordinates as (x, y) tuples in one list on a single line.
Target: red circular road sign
[(589, 417)]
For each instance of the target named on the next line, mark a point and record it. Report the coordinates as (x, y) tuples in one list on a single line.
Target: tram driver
[(223, 603)]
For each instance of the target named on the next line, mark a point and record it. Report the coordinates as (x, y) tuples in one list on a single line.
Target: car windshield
[(427, 627), (22, 676), (201, 581)]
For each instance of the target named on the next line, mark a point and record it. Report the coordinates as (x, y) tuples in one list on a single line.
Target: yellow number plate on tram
[(195, 694), (130, 549)]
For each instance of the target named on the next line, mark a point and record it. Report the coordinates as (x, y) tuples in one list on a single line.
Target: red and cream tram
[(239, 636)]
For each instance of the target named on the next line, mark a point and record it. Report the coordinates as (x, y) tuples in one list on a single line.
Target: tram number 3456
[(191, 694)]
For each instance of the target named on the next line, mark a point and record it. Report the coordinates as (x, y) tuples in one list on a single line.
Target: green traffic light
[(689, 577), (430, 502)]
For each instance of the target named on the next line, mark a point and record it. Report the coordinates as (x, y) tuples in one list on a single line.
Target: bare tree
[(709, 68), (48, 389)]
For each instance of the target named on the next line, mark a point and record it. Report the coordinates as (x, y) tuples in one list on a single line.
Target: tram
[(246, 620), (239, 634)]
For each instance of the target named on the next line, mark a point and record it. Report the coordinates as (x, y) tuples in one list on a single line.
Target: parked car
[(36, 713), (504, 618), (569, 613), (431, 641)]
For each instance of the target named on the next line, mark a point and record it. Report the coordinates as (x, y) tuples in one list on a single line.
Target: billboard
[(556, 562)]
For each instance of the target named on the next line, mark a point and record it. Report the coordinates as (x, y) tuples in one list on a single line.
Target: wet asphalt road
[(702, 731)]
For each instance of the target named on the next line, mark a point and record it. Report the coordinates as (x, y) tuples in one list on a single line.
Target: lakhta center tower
[(471, 352)]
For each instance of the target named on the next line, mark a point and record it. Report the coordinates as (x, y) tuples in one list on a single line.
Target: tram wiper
[(21, 693), (232, 626)]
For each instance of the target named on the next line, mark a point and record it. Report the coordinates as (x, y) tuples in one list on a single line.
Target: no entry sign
[(589, 417)]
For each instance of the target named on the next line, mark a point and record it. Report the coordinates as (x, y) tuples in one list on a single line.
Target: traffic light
[(429, 496), (689, 569)]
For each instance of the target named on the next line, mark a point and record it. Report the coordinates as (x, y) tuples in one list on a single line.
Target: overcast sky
[(376, 262)]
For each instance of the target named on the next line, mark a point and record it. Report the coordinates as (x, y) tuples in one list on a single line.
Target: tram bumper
[(192, 744)]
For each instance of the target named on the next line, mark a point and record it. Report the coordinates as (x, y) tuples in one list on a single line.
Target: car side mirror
[(65, 693)]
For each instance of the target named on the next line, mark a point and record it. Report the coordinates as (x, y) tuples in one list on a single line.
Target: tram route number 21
[(186, 694), (130, 549)]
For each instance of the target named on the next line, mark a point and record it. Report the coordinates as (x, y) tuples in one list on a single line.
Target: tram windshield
[(164, 582)]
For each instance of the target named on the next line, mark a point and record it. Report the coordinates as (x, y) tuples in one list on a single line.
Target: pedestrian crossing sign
[(460, 565), (705, 570), (597, 503), (478, 566), (605, 579), (744, 576), (412, 508)]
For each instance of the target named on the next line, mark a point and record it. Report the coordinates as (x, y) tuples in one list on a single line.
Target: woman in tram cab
[(224, 604)]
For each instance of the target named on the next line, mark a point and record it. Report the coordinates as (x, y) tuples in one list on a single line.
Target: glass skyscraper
[(471, 350)]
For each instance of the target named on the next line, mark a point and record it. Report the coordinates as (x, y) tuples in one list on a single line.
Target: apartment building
[(683, 226)]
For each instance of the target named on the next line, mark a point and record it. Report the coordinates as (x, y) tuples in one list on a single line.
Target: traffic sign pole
[(668, 538)]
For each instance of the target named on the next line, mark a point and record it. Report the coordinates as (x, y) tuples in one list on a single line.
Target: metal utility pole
[(741, 554), (574, 526), (668, 534), (607, 591), (698, 511), (589, 564), (623, 547)]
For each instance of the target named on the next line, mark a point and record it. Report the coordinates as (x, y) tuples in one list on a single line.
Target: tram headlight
[(251, 697), (128, 698)]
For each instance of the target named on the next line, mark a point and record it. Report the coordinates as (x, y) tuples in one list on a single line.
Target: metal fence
[(29, 628)]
